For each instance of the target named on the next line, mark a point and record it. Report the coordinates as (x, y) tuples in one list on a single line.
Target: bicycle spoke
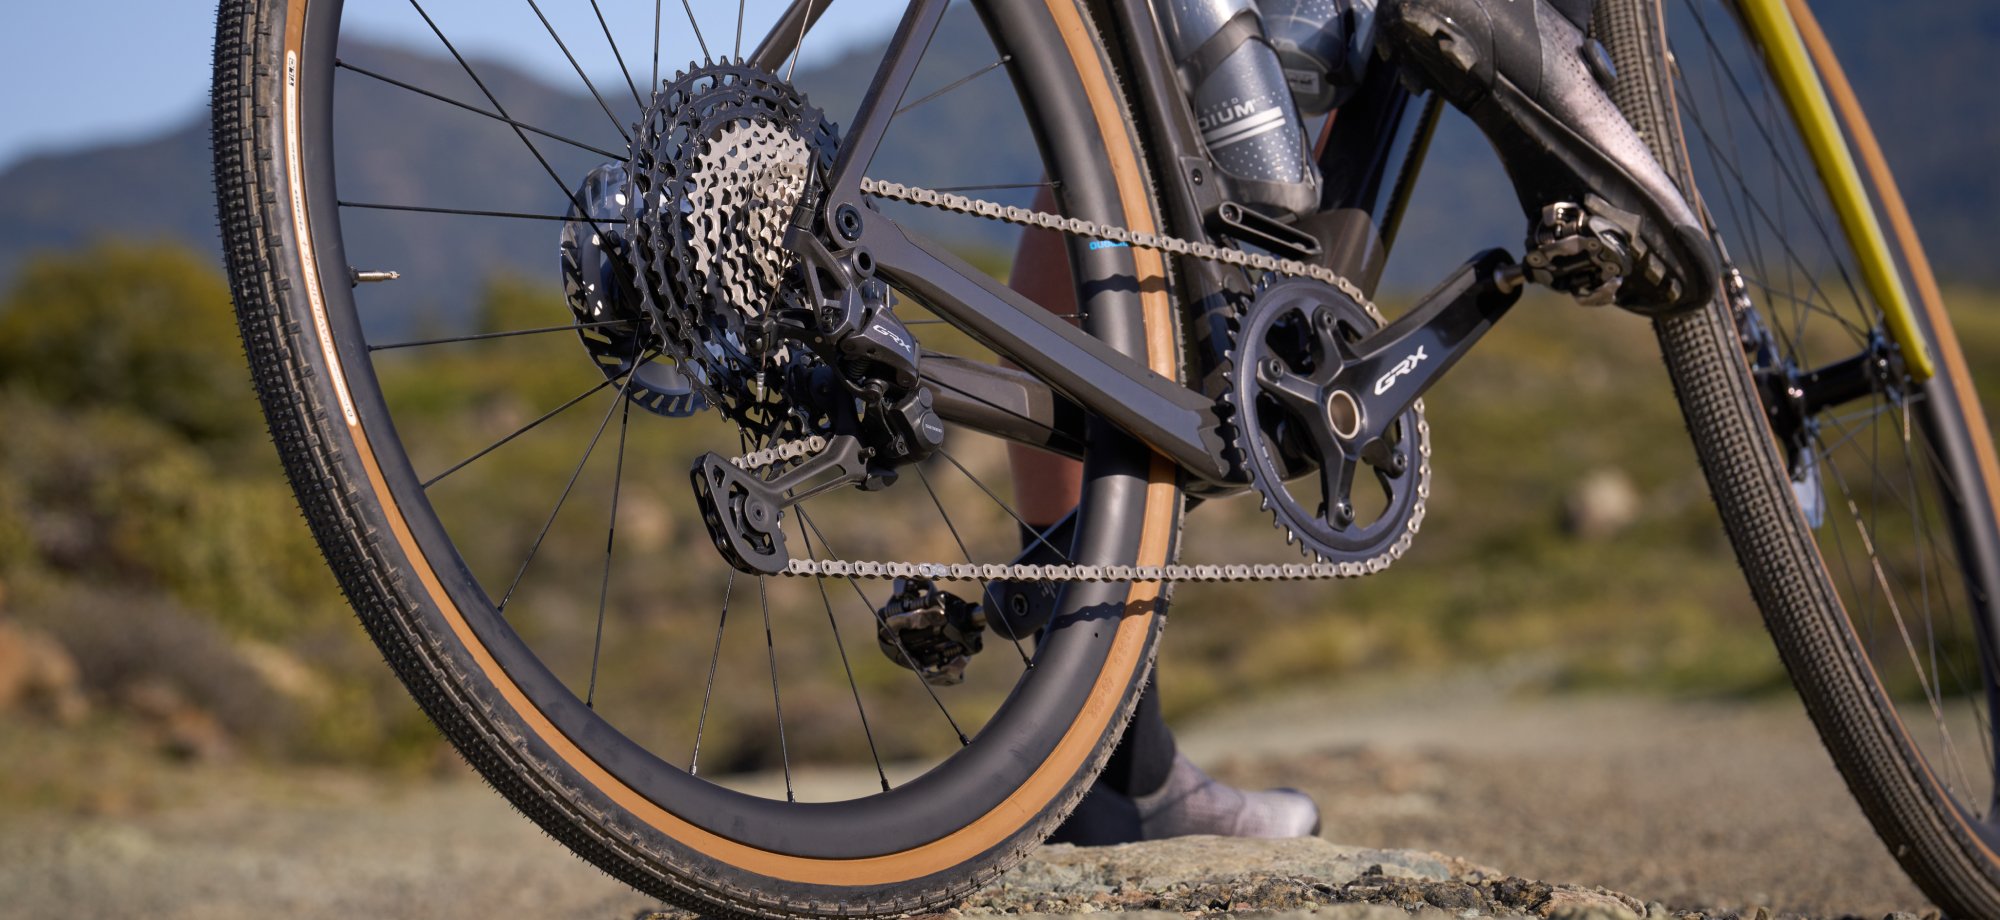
[(567, 192), (503, 119), (1030, 528), (739, 30), (482, 336), (610, 538), (623, 70), (777, 704), (1882, 581), (955, 84), (799, 47), (587, 84), (623, 391), (876, 612), (655, 86), (463, 212), (1761, 211), (852, 685), (524, 429), (705, 57), (1771, 144), (714, 658), (985, 587)]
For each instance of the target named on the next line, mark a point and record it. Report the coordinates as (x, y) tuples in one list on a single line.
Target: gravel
[(1590, 808)]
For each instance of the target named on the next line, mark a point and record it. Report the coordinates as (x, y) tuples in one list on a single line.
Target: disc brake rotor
[(610, 313)]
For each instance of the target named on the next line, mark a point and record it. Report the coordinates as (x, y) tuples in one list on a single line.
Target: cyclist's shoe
[(1191, 802), (1525, 72)]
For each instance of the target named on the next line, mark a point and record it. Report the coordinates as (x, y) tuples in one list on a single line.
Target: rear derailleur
[(863, 393)]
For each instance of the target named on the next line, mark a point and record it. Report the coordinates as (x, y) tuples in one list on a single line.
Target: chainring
[(1308, 329), (724, 155)]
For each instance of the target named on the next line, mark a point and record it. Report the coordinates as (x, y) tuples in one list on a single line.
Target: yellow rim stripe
[(1771, 24)]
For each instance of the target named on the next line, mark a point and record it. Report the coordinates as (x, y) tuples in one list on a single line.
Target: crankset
[(1327, 398)]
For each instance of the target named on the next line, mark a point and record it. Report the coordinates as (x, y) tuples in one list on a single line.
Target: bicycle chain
[(1079, 227), (770, 456), (944, 571), (1076, 226)]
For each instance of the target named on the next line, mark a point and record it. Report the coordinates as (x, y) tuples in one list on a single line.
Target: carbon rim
[(1120, 479)]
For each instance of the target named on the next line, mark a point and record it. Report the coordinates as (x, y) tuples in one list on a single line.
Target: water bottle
[(1243, 104), (1323, 46)]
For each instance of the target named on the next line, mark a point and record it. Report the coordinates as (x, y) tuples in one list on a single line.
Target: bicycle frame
[(1776, 24), (1175, 420)]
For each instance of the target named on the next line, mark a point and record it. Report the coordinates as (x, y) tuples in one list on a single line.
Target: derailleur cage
[(743, 511)]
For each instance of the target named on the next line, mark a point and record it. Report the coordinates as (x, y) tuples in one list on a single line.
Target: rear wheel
[(503, 492), (1860, 500)]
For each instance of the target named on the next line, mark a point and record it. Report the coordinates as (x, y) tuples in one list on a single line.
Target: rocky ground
[(1674, 809)]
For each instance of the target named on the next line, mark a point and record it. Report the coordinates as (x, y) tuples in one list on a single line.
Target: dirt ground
[(1696, 805)]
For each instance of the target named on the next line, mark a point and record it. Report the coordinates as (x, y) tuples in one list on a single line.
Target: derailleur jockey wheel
[(1339, 496)]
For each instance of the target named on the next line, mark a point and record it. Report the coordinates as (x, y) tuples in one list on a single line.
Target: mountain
[(1921, 76), (398, 147)]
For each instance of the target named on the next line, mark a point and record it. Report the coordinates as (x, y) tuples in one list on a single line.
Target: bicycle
[(1172, 388)]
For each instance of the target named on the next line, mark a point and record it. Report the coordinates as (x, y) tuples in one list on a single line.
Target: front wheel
[(503, 490), (1859, 497)]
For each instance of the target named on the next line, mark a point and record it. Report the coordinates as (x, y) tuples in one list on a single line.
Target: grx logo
[(1396, 373), (905, 346)]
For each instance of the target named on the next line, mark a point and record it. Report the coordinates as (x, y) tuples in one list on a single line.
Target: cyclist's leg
[(1046, 484), (1528, 75), (1146, 790)]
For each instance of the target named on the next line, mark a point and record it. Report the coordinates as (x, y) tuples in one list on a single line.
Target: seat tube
[(1370, 153)]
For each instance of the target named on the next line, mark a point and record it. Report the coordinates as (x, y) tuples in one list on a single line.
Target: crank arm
[(1393, 368)]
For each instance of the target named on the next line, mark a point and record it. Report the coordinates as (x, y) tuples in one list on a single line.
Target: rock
[(1063, 870), (1301, 879), (1579, 904), (183, 730), (38, 675), (284, 673), (1600, 506)]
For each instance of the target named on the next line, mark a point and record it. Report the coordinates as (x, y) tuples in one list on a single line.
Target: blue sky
[(81, 72)]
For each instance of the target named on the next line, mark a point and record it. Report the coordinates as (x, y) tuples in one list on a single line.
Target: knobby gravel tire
[(1747, 476), (309, 423)]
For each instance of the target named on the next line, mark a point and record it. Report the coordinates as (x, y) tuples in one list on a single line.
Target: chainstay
[(958, 571)]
